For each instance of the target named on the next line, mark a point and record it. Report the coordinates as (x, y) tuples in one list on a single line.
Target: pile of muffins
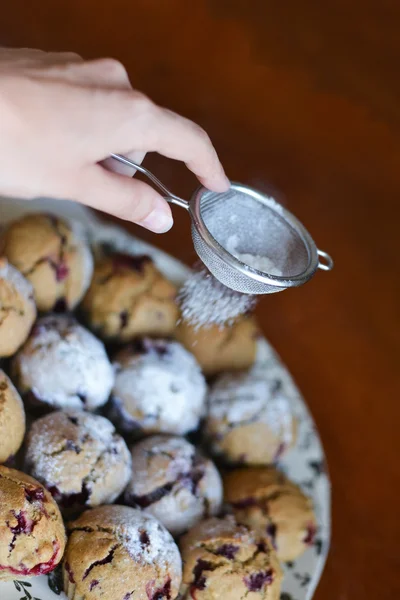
[(148, 467)]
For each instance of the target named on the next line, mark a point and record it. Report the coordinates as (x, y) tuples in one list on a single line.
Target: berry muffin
[(224, 560), (159, 388), (63, 365), (248, 420), (117, 552), (17, 308), (266, 501), (32, 536), (129, 297), (12, 419), (219, 349), (53, 255), (79, 458), (173, 482)]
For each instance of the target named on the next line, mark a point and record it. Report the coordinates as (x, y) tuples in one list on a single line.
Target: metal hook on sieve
[(328, 264)]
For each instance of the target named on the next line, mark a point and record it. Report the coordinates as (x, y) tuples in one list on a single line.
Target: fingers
[(123, 197), (136, 122), (30, 57), (102, 73)]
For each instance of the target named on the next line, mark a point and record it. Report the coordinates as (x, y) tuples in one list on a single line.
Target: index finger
[(146, 127)]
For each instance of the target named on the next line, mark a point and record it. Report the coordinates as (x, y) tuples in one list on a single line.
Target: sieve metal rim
[(231, 261)]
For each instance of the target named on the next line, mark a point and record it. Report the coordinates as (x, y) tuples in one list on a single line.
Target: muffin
[(248, 419), (12, 419), (219, 349), (32, 536), (17, 308), (53, 255), (173, 482), (265, 500), (223, 560), (129, 297), (62, 365), (159, 388), (117, 552), (79, 458)]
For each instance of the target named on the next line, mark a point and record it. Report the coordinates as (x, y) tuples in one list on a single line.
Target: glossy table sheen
[(301, 98)]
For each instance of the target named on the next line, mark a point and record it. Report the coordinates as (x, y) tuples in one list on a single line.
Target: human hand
[(61, 117)]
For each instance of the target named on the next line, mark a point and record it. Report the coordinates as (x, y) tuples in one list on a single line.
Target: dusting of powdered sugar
[(239, 398), (64, 365), (261, 263), (17, 280), (131, 526), (192, 485), (162, 388), (205, 301), (99, 454)]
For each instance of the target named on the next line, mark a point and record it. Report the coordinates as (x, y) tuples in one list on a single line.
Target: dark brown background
[(303, 96)]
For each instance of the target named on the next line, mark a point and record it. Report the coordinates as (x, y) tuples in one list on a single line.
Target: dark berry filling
[(40, 569), (262, 547), (103, 561), (188, 480), (72, 420), (71, 501), (24, 525), (147, 346), (67, 567), (163, 592), (60, 306), (245, 503), (127, 596), (70, 445), (61, 270), (144, 538), (82, 397), (271, 533), (256, 581), (133, 263), (228, 551), (34, 494), (199, 580), (310, 535), (93, 584), (123, 318), (279, 451)]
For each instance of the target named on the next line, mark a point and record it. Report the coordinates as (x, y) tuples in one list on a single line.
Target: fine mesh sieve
[(243, 221)]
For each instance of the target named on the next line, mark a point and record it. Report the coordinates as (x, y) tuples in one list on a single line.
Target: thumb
[(123, 197)]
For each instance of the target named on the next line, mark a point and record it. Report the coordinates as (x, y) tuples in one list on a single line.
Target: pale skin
[(60, 119)]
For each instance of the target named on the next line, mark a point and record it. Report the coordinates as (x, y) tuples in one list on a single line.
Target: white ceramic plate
[(305, 463)]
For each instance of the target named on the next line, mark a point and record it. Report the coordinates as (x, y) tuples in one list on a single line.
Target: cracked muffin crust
[(17, 308), (267, 501), (248, 421), (32, 536), (172, 481), (159, 388), (224, 560), (12, 419), (63, 365), (129, 297), (117, 552), (79, 458), (53, 256), (220, 349)]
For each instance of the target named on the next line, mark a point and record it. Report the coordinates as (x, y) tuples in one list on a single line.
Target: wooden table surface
[(302, 98)]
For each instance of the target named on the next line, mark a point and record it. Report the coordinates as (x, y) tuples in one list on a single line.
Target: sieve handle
[(168, 196), (327, 264)]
